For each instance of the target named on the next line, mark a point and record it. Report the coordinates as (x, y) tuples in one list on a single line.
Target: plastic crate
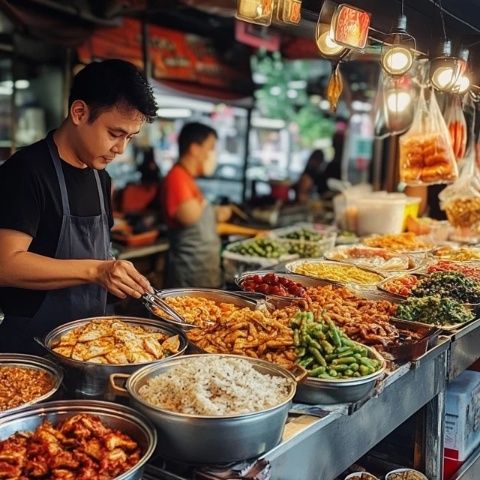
[(462, 416)]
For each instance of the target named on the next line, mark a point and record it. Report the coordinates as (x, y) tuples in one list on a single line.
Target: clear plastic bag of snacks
[(457, 126), (461, 200), (426, 154)]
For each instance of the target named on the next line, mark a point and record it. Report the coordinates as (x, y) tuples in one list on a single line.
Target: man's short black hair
[(193, 132), (103, 85)]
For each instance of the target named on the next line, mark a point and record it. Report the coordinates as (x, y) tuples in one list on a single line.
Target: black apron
[(80, 238), (194, 255)]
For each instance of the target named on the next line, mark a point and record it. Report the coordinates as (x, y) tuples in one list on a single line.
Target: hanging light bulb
[(397, 58), (462, 84), (398, 102), (446, 70), (327, 46)]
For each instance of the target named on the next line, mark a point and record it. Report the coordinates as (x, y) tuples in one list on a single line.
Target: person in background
[(194, 255), (334, 168), (143, 196), (55, 212), (312, 179), (430, 204)]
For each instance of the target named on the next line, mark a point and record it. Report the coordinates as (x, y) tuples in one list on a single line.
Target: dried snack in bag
[(457, 126), (461, 200), (426, 154)]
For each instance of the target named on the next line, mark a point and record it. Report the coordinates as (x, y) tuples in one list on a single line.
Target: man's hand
[(224, 213), (122, 279)]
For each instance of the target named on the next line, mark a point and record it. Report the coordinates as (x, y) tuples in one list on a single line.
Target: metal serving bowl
[(88, 379), (218, 296), (324, 391), (292, 267), (278, 300), (409, 473), (212, 439), (34, 363), (114, 416)]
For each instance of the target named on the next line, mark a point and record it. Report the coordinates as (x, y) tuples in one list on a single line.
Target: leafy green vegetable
[(434, 310), (453, 285)]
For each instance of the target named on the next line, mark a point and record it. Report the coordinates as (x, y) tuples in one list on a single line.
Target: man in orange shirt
[(194, 256)]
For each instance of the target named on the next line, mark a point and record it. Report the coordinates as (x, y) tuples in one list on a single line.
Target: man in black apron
[(194, 255), (55, 212)]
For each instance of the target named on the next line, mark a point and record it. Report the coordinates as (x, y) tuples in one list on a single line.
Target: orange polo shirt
[(178, 187)]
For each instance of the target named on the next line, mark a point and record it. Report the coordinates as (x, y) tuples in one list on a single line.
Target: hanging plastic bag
[(457, 126), (461, 200), (426, 155)]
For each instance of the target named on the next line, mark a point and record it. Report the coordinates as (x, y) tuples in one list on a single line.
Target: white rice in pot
[(215, 386)]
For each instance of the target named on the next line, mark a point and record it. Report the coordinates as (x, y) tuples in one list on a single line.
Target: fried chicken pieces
[(79, 448), (116, 342)]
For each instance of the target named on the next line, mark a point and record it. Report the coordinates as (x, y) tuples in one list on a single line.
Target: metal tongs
[(154, 302)]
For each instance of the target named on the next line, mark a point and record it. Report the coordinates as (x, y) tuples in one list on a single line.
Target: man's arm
[(23, 269), (190, 211)]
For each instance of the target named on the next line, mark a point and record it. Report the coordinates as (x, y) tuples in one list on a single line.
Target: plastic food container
[(381, 215), (234, 264), (412, 208), (322, 240)]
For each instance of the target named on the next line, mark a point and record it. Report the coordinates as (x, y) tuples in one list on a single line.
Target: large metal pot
[(90, 380), (316, 391), (114, 416), (210, 439), (35, 363)]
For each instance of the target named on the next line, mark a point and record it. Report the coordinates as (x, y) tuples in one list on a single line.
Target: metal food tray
[(475, 261), (381, 285), (445, 328), (330, 255), (420, 251), (306, 282), (411, 350), (291, 267), (316, 391), (239, 299), (34, 363)]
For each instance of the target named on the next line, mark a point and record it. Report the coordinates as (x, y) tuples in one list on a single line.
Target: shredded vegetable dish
[(338, 273)]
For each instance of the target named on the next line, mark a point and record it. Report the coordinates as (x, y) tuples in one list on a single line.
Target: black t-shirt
[(30, 202), (433, 202)]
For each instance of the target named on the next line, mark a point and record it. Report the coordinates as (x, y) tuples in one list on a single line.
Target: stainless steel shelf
[(347, 437), (470, 470), (464, 349)]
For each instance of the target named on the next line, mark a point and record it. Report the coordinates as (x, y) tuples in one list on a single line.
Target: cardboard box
[(462, 416)]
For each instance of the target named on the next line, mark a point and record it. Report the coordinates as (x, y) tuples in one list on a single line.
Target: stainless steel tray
[(35, 363), (292, 266), (408, 259), (219, 296), (381, 285), (278, 300)]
